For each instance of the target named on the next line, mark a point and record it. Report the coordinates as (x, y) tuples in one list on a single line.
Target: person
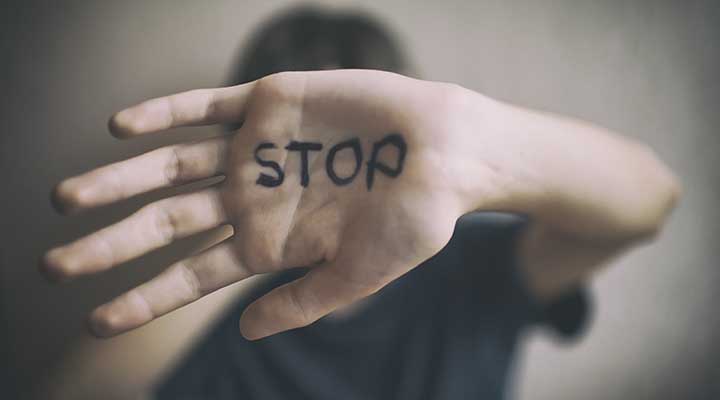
[(433, 225)]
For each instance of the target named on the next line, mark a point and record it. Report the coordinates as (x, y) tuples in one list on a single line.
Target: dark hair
[(309, 38)]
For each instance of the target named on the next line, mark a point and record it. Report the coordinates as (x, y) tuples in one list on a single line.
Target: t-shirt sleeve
[(491, 274)]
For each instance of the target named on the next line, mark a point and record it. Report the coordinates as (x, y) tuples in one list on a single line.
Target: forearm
[(589, 194), (570, 176)]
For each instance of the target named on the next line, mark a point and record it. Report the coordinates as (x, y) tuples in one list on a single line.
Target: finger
[(195, 107), (181, 284), (301, 302), (164, 167), (153, 226)]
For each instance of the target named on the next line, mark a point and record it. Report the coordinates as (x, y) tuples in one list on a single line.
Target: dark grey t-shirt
[(448, 329)]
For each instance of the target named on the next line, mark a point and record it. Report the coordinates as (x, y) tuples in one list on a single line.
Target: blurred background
[(648, 69)]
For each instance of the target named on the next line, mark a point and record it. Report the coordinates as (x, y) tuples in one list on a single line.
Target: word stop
[(352, 145)]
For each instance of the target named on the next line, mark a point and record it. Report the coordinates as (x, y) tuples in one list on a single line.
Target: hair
[(309, 38)]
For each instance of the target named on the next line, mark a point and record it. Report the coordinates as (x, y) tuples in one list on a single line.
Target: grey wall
[(648, 69)]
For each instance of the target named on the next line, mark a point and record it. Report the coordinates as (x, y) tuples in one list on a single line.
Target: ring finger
[(153, 226)]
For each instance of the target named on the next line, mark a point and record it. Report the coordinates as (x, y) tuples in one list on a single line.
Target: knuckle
[(301, 311), (174, 166), (360, 285), (191, 279), (170, 103), (182, 165), (115, 185), (208, 102), (165, 223)]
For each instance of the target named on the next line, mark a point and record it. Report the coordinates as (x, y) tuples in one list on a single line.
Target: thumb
[(301, 302)]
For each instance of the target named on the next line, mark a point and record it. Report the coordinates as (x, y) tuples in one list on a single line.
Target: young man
[(388, 190)]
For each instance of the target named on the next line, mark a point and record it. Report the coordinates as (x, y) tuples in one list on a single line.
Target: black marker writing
[(354, 144), (264, 179), (304, 148), (391, 139)]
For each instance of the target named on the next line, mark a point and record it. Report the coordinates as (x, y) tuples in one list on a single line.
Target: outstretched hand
[(357, 175)]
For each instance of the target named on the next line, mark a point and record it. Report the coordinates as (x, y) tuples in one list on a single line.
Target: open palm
[(345, 172)]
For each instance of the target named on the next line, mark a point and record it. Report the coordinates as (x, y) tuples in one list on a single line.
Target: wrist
[(491, 157)]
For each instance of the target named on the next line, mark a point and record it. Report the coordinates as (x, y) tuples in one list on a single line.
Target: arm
[(359, 175), (590, 193)]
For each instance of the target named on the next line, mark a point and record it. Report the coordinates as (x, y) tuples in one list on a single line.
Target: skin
[(590, 194)]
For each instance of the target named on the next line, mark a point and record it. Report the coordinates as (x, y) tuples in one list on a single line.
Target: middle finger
[(164, 167)]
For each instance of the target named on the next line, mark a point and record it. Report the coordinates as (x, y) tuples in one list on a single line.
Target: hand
[(359, 175)]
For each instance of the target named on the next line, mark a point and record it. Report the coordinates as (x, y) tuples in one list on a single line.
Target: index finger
[(194, 107)]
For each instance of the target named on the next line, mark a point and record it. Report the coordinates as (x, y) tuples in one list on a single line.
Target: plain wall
[(648, 69)]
